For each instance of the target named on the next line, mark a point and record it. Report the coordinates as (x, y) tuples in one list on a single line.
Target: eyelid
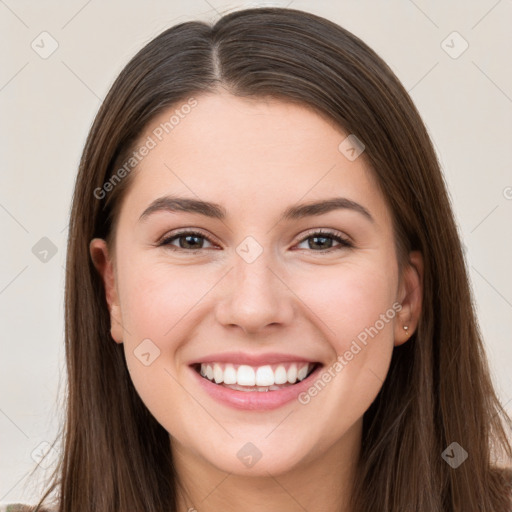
[(185, 231), (329, 232)]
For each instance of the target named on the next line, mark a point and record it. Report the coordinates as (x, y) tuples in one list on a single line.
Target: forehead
[(256, 155)]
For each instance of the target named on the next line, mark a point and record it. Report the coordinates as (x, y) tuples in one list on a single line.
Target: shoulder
[(20, 507), (14, 507)]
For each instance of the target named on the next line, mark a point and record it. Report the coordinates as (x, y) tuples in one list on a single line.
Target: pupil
[(315, 238), (187, 238)]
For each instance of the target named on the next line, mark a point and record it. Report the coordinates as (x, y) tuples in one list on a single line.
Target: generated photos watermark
[(343, 359), (151, 142)]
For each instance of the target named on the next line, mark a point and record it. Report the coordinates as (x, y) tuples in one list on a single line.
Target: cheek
[(155, 298), (356, 309), (159, 304), (349, 300)]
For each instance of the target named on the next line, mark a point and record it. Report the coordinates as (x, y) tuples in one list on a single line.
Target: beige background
[(48, 105)]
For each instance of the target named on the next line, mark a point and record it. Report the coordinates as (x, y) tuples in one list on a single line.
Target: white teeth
[(267, 376), (291, 375), (245, 376), (218, 374), (229, 374), (280, 376), (301, 374), (264, 376)]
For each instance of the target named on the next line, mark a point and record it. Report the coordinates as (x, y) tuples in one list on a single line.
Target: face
[(254, 287)]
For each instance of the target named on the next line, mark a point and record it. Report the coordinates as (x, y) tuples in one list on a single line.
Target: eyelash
[(344, 243)]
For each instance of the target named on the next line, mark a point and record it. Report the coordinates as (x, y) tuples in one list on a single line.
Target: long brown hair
[(116, 456)]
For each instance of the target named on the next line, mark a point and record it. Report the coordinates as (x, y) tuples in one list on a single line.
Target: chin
[(256, 459)]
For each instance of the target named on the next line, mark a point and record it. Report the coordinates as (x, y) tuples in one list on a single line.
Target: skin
[(255, 158)]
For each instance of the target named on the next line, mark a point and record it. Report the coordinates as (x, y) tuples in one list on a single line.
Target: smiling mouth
[(247, 378)]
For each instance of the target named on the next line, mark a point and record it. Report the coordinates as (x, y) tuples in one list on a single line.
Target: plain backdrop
[(453, 58)]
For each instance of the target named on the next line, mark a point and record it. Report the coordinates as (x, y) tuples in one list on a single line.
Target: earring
[(406, 328)]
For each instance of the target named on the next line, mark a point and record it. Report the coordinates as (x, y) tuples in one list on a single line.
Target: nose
[(254, 296)]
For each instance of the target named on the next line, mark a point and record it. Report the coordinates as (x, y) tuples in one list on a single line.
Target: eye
[(191, 241), (324, 240), (188, 240)]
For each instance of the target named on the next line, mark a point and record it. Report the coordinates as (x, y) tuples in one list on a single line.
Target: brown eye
[(187, 241), (323, 240)]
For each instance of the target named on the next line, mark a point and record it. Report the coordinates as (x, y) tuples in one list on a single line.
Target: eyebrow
[(216, 211)]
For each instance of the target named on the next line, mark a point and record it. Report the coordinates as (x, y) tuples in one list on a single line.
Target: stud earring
[(406, 328)]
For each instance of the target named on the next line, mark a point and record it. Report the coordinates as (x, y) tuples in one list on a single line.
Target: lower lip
[(256, 400)]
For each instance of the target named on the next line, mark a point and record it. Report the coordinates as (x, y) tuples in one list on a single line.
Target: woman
[(267, 305)]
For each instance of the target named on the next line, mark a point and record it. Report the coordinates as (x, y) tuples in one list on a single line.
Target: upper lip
[(252, 359)]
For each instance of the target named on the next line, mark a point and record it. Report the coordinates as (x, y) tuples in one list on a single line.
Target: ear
[(410, 295), (102, 261)]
